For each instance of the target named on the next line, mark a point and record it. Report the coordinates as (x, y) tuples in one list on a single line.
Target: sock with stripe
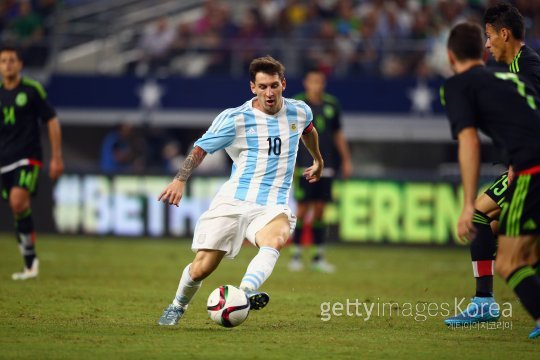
[(297, 240), (187, 288), (259, 268), (483, 249), (526, 285), (318, 240), (26, 236)]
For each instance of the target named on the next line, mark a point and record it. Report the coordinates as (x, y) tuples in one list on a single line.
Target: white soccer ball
[(228, 306)]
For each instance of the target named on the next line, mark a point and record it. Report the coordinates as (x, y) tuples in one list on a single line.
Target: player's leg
[(296, 259), (484, 246), (216, 236), (319, 262), (19, 202), (302, 195), (270, 239), (205, 262), (483, 251), (512, 265)]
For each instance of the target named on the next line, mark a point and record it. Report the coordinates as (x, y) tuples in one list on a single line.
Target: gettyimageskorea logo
[(419, 311)]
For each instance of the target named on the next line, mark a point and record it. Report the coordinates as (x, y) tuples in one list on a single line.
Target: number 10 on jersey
[(274, 146)]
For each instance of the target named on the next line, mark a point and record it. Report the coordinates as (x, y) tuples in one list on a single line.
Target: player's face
[(495, 43), (269, 91), (314, 83), (10, 65)]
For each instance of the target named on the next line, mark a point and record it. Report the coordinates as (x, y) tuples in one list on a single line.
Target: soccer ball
[(228, 306)]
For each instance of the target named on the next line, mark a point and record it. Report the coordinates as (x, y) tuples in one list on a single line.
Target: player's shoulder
[(330, 99), (296, 103), (528, 54), (470, 77), (34, 85)]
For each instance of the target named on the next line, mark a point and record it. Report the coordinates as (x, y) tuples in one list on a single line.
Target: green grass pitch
[(99, 298)]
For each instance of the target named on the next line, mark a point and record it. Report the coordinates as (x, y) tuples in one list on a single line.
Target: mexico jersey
[(263, 149)]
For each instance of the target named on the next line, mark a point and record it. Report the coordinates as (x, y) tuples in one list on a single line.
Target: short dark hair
[(504, 15), (313, 70), (9, 48), (267, 65), (466, 41)]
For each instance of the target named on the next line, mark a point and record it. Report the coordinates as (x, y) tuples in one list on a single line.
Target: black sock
[(483, 249), (318, 239), (536, 267), (297, 237), (526, 285), (24, 225), (484, 286)]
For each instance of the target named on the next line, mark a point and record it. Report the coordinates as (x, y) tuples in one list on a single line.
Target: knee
[(18, 206), (277, 242)]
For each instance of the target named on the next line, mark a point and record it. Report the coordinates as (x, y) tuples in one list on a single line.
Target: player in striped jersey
[(261, 137), (505, 32), (23, 110)]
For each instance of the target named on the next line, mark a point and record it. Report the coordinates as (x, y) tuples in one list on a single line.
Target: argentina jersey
[(263, 149)]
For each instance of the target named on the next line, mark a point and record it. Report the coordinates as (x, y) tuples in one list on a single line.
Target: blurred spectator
[(122, 150), (155, 47), (27, 27)]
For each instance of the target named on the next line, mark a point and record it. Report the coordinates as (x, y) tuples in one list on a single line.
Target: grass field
[(99, 298)]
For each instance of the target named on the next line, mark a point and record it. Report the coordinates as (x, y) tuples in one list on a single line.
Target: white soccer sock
[(259, 268), (187, 288)]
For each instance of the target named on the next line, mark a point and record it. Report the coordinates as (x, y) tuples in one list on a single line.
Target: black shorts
[(318, 191), (23, 176), (521, 211), (499, 189)]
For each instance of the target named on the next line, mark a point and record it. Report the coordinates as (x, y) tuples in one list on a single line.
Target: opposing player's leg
[(270, 239), (205, 262), (319, 262), (518, 242), (295, 264), (483, 251), (19, 202), (512, 265)]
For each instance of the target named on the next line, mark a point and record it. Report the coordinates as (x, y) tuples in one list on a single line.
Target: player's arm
[(174, 191), (310, 138), (343, 149), (469, 164), (56, 167)]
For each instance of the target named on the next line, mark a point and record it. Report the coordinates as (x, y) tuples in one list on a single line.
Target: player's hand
[(465, 228), (314, 172), (173, 193), (346, 169), (56, 168)]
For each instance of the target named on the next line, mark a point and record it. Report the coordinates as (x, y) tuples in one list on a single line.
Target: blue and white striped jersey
[(263, 149)]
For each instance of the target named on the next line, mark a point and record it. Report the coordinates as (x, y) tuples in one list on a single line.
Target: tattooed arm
[(174, 191)]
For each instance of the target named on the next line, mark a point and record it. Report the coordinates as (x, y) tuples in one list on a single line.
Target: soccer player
[(24, 108), (327, 120), (505, 32), (499, 104), (261, 137)]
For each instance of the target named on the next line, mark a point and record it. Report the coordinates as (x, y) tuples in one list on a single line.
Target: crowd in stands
[(27, 23), (343, 37), (390, 38)]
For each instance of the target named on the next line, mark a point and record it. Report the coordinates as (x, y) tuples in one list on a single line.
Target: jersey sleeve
[(309, 116), (459, 105), (45, 110), (219, 135)]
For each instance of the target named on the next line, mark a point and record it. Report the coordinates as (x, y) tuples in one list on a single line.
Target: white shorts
[(227, 222)]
